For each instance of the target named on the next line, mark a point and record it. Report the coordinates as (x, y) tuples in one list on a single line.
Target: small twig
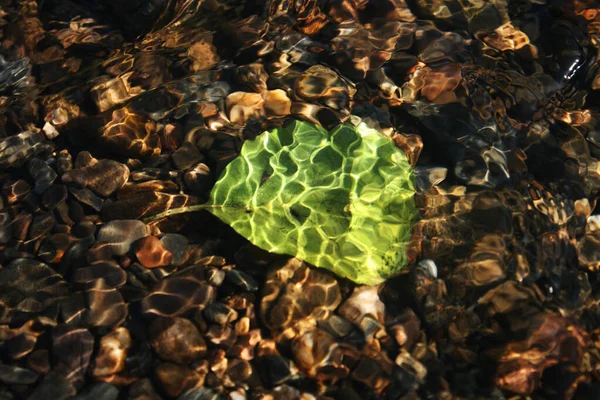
[(180, 210)]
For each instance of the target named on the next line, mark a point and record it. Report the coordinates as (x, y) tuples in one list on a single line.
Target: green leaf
[(341, 200)]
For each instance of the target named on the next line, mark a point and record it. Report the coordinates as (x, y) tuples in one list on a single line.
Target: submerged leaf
[(341, 200)]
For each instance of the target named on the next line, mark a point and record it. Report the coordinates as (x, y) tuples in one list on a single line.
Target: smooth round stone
[(104, 177), (177, 245), (151, 253), (122, 233), (186, 156), (177, 340)]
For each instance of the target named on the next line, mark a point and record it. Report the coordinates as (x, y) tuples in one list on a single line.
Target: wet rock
[(364, 302), (41, 225), (220, 313), (107, 307), (13, 375), (120, 234), (109, 271), (87, 197), (112, 353), (129, 134), (143, 390), (21, 345), (176, 379), (179, 293), (103, 176), (16, 150), (186, 156), (177, 245), (26, 287), (43, 175), (177, 340), (15, 191), (241, 280), (5, 227), (151, 253), (202, 393), (71, 352), (198, 179), (275, 369), (54, 386), (99, 391), (39, 361), (296, 295)]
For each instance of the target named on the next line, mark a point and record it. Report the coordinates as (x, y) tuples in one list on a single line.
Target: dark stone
[(43, 175), (71, 352), (42, 225), (99, 391), (186, 156), (87, 197), (27, 287), (241, 279), (54, 386), (104, 177), (177, 245), (16, 150), (13, 375), (198, 179)]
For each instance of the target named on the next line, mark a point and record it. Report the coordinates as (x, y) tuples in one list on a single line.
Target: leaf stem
[(180, 210)]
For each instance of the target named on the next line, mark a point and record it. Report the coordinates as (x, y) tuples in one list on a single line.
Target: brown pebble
[(176, 379), (151, 253), (112, 353), (177, 340)]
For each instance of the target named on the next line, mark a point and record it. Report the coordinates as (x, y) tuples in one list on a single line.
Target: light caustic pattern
[(342, 200)]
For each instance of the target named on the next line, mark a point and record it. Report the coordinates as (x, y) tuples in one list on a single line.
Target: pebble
[(28, 286), (16, 150), (113, 275), (198, 179), (143, 390), (186, 156), (120, 234), (71, 352), (54, 386), (220, 313), (176, 379), (43, 175), (151, 253), (179, 293), (103, 176), (177, 245), (177, 340), (99, 391), (112, 353), (87, 197), (241, 279), (13, 375)]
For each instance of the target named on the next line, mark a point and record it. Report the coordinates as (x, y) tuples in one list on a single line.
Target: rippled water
[(114, 111)]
